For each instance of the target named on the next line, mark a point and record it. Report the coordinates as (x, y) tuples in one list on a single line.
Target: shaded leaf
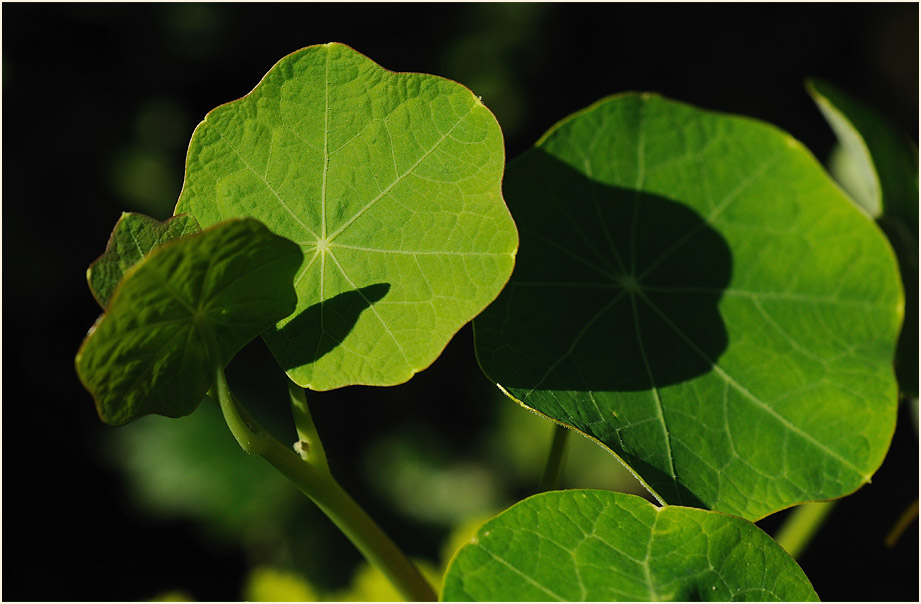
[(181, 311), (389, 182), (694, 292), (587, 545), (134, 236)]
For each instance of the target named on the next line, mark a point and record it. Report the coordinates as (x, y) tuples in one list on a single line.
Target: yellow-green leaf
[(391, 185)]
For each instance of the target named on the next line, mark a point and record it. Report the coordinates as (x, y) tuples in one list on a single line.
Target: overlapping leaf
[(134, 236), (886, 160), (180, 312), (695, 293), (601, 546), (389, 182), (878, 165)]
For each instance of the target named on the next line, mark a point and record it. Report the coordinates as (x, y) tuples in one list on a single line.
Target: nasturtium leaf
[(588, 545), (885, 159), (134, 236), (389, 182), (182, 311), (878, 165), (696, 294)]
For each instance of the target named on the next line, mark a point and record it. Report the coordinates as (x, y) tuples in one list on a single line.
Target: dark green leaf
[(695, 293), (179, 313), (590, 545)]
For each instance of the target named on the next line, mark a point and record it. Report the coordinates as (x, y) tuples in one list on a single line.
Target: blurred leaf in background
[(370, 585), (269, 584), (172, 596), (501, 44), (519, 443), (411, 468), (146, 171), (193, 468)]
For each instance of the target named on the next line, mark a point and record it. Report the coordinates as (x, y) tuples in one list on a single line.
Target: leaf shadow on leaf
[(322, 327), (614, 297)]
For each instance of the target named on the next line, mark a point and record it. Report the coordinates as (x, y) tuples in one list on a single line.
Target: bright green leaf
[(878, 165), (178, 313), (389, 182), (590, 545), (695, 293), (134, 236)]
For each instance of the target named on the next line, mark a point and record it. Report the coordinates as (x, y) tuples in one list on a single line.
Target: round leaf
[(601, 546), (696, 294), (134, 236), (181, 311), (389, 182)]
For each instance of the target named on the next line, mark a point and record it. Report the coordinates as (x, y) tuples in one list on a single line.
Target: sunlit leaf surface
[(599, 546), (391, 185)]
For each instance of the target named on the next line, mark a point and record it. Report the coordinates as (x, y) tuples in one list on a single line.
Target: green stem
[(553, 471), (901, 525), (801, 525), (309, 446), (322, 488)]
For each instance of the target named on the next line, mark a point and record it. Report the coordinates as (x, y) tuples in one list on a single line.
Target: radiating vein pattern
[(694, 292), (391, 184)]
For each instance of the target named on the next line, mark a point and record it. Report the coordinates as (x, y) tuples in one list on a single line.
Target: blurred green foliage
[(193, 469), (146, 172)]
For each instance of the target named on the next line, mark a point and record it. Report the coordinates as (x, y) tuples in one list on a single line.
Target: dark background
[(99, 102)]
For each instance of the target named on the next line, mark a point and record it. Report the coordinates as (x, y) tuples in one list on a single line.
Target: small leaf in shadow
[(134, 236)]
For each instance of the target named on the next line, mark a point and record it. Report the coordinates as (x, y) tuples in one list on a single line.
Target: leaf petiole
[(318, 484), (804, 521), (553, 471), (309, 444)]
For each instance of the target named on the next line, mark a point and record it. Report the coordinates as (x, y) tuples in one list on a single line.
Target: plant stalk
[(901, 525), (797, 531), (553, 471), (309, 446), (320, 486)]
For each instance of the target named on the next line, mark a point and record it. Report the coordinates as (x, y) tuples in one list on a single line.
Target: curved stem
[(553, 471), (801, 525), (322, 488)]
